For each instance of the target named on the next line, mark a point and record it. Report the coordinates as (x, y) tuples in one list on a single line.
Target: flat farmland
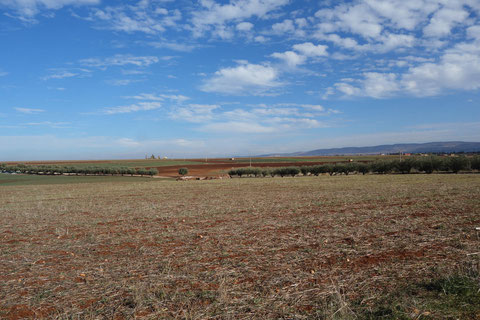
[(341, 247)]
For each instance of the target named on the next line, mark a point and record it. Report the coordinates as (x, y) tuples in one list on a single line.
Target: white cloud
[(444, 20), (120, 60), (292, 59), (246, 78), (358, 19), (244, 26), (195, 113), (141, 106), (384, 25), (293, 123), (3, 73), (308, 49), (55, 125), (260, 39), (160, 97), (474, 32), (181, 47), (29, 8), (214, 17), (147, 17), (457, 69), (285, 26), (29, 110), (237, 127), (61, 75), (122, 82)]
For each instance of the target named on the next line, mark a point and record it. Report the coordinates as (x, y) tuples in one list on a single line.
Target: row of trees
[(423, 164), (55, 170)]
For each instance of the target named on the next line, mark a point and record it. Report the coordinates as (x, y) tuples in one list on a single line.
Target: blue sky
[(96, 79)]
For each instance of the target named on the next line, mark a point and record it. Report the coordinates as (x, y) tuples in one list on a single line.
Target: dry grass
[(303, 248)]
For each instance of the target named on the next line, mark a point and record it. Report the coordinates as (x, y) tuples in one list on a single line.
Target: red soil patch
[(215, 168)]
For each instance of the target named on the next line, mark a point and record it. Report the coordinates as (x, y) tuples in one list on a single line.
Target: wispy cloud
[(159, 97), (26, 10), (141, 106), (197, 113), (56, 125), (237, 127), (120, 60), (221, 20), (123, 82), (29, 110), (175, 46), (61, 73), (148, 17)]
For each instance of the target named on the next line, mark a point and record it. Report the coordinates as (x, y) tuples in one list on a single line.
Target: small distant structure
[(407, 154), (350, 160), (165, 158), (232, 159)]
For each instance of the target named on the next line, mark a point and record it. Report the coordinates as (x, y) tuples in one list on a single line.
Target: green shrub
[(405, 166), (363, 168), (141, 171), (456, 164), (382, 167), (266, 172), (475, 163), (329, 168), (430, 164), (340, 168), (183, 171), (287, 171), (305, 170)]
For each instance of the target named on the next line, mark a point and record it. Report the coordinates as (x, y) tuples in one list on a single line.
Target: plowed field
[(341, 247)]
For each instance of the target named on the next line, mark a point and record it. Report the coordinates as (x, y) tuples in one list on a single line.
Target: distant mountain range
[(430, 147)]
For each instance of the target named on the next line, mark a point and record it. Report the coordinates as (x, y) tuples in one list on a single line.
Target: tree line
[(424, 164), (56, 170)]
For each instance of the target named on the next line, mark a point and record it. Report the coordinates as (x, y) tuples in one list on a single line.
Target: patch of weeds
[(385, 310), (207, 295), (42, 295), (456, 296)]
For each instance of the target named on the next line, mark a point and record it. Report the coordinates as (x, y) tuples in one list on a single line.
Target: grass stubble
[(343, 247)]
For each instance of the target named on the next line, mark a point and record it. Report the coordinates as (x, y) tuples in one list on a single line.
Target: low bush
[(456, 164), (405, 166), (382, 167), (183, 171), (286, 171), (475, 163), (363, 168)]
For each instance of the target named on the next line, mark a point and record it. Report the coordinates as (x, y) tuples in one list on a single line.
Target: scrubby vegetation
[(73, 170), (415, 164), (183, 171)]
